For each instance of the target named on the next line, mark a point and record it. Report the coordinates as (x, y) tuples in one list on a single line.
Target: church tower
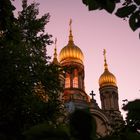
[(108, 89), (109, 95), (71, 58), (74, 96)]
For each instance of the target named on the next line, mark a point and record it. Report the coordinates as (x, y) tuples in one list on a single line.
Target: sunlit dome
[(107, 78), (71, 52)]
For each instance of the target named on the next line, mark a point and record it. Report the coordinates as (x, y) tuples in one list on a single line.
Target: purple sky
[(93, 31)]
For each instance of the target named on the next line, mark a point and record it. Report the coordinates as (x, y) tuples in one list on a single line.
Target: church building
[(74, 95)]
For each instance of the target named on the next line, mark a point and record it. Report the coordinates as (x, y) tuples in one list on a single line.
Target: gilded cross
[(104, 53), (70, 23), (55, 41)]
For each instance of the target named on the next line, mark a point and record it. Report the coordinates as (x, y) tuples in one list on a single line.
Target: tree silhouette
[(24, 64), (133, 114), (82, 125)]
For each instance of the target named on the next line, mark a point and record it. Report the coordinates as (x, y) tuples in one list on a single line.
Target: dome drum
[(71, 61), (113, 89)]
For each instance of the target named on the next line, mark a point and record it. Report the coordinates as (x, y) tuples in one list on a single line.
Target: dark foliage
[(82, 125), (133, 115), (46, 132)]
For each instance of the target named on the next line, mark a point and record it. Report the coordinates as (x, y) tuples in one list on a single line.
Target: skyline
[(94, 31)]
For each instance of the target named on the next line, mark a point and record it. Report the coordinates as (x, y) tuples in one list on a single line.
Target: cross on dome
[(70, 34), (105, 62)]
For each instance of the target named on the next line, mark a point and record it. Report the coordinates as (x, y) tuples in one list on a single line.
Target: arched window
[(67, 81), (75, 79)]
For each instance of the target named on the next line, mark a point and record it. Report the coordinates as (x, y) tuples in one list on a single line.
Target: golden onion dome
[(107, 78), (71, 52)]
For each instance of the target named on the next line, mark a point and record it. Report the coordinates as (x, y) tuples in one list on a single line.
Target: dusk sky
[(94, 31)]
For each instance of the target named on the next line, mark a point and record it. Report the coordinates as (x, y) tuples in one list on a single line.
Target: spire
[(55, 49), (105, 62), (55, 61), (70, 34)]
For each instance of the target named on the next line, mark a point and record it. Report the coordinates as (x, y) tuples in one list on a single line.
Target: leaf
[(137, 2), (85, 2), (93, 5), (125, 11), (134, 20), (110, 6)]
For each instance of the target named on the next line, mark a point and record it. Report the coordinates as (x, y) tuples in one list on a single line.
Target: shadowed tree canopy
[(133, 114), (6, 14)]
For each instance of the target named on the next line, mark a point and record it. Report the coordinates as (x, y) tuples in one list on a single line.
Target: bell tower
[(71, 58)]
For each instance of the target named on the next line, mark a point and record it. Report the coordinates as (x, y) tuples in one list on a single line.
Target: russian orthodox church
[(74, 95)]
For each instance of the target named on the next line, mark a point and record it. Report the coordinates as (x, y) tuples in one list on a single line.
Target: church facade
[(75, 96)]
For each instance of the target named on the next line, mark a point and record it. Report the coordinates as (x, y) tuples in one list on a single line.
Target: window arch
[(67, 80), (75, 79)]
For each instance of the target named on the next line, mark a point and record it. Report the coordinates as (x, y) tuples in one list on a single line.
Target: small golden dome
[(107, 78), (71, 52)]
